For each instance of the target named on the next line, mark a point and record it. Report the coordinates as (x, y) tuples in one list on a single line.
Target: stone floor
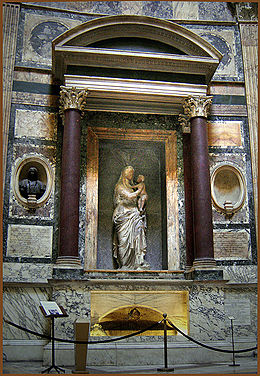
[(248, 365)]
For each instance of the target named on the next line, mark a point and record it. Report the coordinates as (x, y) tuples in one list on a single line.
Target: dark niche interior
[(148, 159), (137, 44)]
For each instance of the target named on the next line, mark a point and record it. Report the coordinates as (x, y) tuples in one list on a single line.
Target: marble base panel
[(240, 274), (23, 350), (18, 273), (209, 305), (147, 353)]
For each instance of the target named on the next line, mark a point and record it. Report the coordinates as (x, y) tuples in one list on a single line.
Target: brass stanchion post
[(165, 368)]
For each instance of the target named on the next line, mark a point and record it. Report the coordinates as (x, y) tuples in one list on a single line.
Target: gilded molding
[(197, 106), (72, 98)]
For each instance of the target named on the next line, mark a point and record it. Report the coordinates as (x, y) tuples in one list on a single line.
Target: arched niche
[(228, 189)]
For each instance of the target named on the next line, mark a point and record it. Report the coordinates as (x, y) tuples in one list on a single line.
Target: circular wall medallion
[(45, 176), (228, 189), (43, 34)]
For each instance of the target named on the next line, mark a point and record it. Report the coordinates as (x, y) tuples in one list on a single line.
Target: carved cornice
[(197, 106), (72, 99)]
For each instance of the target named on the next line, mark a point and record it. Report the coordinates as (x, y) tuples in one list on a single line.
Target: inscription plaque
[(29, 241), (231, 245)]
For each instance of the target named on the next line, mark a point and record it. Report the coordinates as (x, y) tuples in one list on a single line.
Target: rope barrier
[(82, 342), (127, 336), (208, 347)]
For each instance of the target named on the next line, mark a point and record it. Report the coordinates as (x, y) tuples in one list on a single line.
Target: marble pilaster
[(10, 27), (249, 40)]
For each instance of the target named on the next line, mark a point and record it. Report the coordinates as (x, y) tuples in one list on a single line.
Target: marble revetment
[(29, 241), (231, 245), (21, 306), (224, 39), (16, 272), (38, 33), (36, 124), (240, 310), (207, 316), (226, 133)]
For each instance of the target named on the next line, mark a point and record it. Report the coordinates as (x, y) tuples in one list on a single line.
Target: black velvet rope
[(208, 347), (127, 336), (81, 342)]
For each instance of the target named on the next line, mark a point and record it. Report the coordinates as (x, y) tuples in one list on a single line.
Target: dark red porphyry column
[(197, 108), (188, 200), (72, 104)]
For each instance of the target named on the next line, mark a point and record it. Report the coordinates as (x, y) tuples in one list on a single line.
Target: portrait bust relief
[(32, 181), (32, 185)]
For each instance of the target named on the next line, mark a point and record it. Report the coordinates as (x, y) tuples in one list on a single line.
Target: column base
[(70, 262), (203, 264), (204, 270)]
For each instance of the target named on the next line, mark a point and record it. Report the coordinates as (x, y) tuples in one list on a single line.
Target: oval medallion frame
[(227, 185), (45, 175)]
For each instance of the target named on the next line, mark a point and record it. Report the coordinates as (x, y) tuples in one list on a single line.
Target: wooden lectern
[(81, 328)]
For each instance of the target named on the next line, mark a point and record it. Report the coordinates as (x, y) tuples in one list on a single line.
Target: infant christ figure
[(143, 196)]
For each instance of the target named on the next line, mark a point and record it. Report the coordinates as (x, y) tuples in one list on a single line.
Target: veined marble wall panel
[(21, 306), (29, 241), (242, 305), (35, 99), (228, 110), (224, 133), (226, 39), (26, 272), (229, 88), (187, 10), (38, 33), (29, 76), (10, 27), (207, 316), (75, 299), (240, 273), (15, 209), (249, 39), (238, 161), (36, 124)]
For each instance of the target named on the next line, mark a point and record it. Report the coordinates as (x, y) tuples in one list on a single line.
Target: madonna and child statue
[(129, 222)]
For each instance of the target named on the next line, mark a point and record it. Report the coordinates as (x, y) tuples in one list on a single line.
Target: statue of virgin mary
[(129, 225)]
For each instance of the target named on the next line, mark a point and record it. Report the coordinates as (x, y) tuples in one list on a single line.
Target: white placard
[(51, 308)]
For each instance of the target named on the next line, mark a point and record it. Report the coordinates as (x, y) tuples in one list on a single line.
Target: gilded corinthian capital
[(72, 98), (197, 106)]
